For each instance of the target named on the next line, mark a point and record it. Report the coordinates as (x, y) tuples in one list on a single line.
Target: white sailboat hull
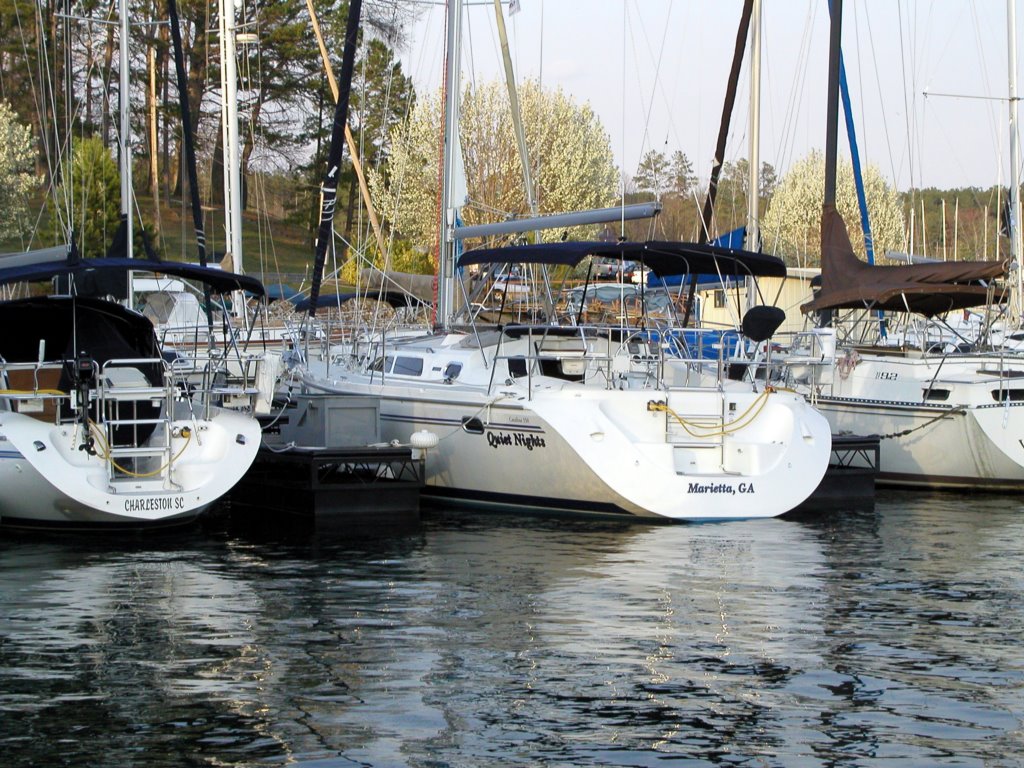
[(954, 421), (48, 482), (950, 447), (605, 452)]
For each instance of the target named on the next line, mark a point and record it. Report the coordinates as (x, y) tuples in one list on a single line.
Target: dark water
[(889, 637)]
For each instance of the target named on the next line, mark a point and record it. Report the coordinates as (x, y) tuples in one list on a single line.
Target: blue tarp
[(283, 293), (732, 241)]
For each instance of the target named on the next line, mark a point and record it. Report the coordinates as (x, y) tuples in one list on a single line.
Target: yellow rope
[(745, 419), (105, 453)]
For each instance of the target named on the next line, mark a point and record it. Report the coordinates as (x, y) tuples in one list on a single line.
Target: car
[(606, 268), (635, 273)]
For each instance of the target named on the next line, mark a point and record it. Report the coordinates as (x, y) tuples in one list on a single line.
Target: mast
[(517, 118), (707, 212), (832, 103), (1014, 201), (329, 186), (229, 127), (357, 166), (188, 141), (446, 251), (753, 234), (125, 138), (753, 239)]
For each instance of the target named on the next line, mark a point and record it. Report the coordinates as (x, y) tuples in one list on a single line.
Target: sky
[(929, 79)]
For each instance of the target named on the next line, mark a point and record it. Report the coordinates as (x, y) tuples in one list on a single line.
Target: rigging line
[(468, 39), (540, 69), (673, 123), (906, 106), (622, 112), (994, 122), (861, 98), (386, 108), (644, 108), (656, 84), (38, 95), (881, 99), (68, 67), (787, 140)]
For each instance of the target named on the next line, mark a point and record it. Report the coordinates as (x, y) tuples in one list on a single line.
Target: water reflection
[(889, 634)]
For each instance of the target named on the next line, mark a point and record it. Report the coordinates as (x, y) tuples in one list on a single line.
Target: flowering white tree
[(17, 175), (791, 227), (570, 155)]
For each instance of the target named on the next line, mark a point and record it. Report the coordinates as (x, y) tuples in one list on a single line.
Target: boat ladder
[(136, 426), (695, 428)]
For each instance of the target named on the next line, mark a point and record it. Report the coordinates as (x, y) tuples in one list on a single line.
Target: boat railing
[(123, 411), (617, 357), (561, 352), (228, 378), (806, 361), (33, 388), (612, 357)]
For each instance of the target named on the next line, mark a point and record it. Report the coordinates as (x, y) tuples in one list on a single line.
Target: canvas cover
[(927, 289)]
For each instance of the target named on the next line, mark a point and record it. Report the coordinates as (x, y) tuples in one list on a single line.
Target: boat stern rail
[(33, 389)]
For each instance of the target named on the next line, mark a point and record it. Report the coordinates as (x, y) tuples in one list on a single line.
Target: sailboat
[(945, 419), (567, 419), (101, 426), (561, 419), (96, 428)]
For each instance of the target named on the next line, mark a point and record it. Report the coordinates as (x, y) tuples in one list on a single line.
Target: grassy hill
[(271, 248)]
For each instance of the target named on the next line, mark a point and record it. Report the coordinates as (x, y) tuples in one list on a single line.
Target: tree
[(17, 177), (792, 226), (381, 99), (569, 151), (652, 173), (768, 181), (92, 188), (681, 178)]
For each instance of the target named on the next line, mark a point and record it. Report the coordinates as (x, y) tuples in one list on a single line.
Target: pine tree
[(652, 174), (681, 178)]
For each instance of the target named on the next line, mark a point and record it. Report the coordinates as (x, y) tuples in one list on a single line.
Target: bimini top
[(83, 270), (927, 289), (664, 258)]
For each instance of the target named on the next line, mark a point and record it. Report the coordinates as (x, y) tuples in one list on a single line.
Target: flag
[(513, 7)]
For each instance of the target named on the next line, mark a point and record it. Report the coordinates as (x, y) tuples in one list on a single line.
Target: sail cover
[(927, 289)]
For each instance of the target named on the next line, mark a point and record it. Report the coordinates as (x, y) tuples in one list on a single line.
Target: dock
[(849, 481), (322, 463)]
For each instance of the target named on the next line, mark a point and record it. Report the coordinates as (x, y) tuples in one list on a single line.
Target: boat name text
[(155, 504), (732, 490), (529, 442)]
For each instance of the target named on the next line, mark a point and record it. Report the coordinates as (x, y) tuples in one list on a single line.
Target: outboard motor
[(85, 379)]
